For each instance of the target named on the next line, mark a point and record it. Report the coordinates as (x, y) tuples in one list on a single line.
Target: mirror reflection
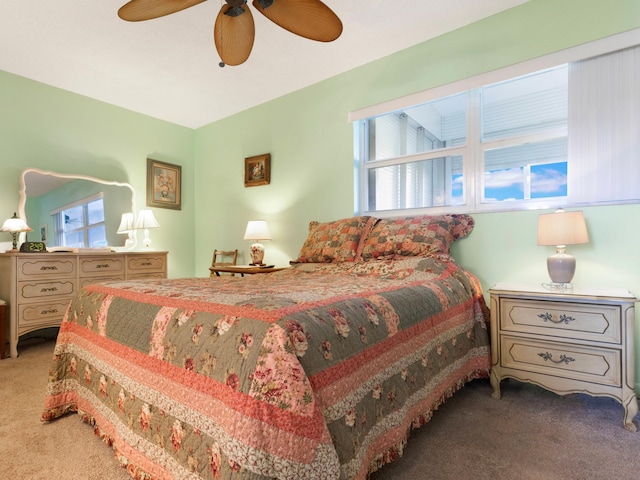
[(74, 210)]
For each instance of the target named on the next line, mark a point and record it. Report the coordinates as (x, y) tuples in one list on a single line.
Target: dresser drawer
[(102, 266), (138, 265), (45, 312), (32, 291), (91, 280), (46, 267), (578, 362), (147, 276), (594, 322)]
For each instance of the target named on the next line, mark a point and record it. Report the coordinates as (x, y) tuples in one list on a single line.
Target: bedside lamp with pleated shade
[(257, 230), (561, 229)]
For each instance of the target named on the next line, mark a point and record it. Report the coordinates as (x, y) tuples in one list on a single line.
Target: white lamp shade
[(127, 223), (15, 225), (562, 228), (257, 230), (146, 220)]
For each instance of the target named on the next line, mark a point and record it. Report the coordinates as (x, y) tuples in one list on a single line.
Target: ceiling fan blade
[(310, 19), (233, 33), (138, 10)]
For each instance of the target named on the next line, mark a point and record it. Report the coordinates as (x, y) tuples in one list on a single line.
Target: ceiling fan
[(234, 30)]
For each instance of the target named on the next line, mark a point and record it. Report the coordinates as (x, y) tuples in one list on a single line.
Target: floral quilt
[(318, 371)]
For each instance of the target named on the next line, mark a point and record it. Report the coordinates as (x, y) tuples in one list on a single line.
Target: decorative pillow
[(336, 241), (419, 236)]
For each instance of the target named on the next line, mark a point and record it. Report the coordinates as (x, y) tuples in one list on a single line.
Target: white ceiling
[(168, 67)]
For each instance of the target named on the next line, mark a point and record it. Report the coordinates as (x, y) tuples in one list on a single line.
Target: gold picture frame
[(164, 185), (257, 170)]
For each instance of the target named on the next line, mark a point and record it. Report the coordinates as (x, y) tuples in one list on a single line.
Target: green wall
[(311, 145)]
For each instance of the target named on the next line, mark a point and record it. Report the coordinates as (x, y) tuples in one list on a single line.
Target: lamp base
[(561, 267), (147, 240), (257, 254)]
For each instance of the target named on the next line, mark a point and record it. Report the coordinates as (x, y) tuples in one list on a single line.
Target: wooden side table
[(3, 328), (243, 269)]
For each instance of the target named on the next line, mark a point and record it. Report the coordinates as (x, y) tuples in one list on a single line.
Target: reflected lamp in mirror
[(561, 229), (145, 221), (127, 227), (15, 225), (257, 230)]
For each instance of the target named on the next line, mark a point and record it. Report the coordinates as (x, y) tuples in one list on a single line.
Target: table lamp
[(145, 221), (15, 226), (257, 230), (561, 229), (127, 227)]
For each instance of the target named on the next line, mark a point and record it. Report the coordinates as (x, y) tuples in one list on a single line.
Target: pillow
[(419, 236), (336, 241)]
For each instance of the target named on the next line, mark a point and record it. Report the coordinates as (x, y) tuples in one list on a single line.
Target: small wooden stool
[(3, 328)]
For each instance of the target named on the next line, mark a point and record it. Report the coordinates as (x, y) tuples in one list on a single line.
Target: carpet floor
[(529, 434)]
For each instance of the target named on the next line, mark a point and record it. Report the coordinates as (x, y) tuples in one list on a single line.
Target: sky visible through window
[(547, 180)]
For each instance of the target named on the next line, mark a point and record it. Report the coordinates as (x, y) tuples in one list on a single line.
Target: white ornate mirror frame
[(23, 187)]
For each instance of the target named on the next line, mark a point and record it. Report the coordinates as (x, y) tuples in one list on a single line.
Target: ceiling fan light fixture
[(234, 29), (234, 11)]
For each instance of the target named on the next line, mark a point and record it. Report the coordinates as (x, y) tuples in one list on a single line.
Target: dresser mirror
[(43, 194)]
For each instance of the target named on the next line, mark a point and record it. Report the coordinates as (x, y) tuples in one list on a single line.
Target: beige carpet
[(529, 434)]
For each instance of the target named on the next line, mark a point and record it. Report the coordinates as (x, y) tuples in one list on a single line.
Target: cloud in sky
[(548, 180), (512, 177)]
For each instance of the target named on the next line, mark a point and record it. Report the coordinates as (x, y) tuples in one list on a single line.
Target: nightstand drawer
[(595, 322), (578, 362)]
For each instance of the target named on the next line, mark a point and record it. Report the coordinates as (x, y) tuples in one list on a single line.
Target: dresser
[(39, 286), (573, 341)]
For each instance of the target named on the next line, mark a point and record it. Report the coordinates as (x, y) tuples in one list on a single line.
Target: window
[(81, 224), (539, 140)]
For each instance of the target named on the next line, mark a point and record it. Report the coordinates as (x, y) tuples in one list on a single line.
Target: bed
[(318, 371)]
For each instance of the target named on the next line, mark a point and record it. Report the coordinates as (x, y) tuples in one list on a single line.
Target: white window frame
[(473, 171), (58, 221)]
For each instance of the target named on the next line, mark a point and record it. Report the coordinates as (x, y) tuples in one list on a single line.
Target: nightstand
[(578, 340)]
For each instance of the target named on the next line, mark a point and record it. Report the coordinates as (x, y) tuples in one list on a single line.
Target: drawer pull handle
[(563, 318), (51, 310), (563, 358), (48, 267), (145, 264), (49, 289), (103, 265)]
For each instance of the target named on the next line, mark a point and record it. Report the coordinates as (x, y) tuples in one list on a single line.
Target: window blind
[(604, 117)]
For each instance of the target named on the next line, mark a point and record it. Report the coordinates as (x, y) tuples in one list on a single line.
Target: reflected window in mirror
[(42, 192), (81, 224)]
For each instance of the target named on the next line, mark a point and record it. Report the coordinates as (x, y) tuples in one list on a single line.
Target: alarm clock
[(33, 247)]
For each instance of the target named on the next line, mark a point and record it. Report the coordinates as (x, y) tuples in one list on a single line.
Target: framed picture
[(257, 170), (44, 230), (164, 187)]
